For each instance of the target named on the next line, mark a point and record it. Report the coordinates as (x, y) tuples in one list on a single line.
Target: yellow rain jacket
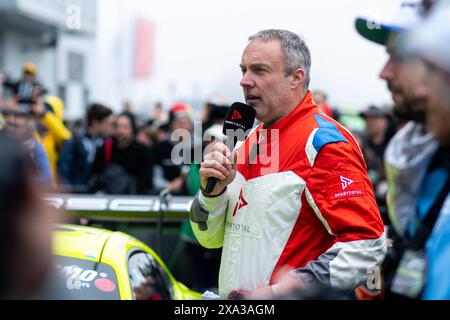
[(56, 135)]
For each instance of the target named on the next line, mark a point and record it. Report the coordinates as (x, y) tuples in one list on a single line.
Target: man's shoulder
[(322, 130), (77, 140)]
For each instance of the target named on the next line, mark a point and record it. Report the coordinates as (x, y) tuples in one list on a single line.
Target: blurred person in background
[(167, 174), (2, 98), (214, 113), (205, 263), (26, 224), (380, 128), (148, 133), (127, 107), (420, 260), (51, 129), (19, 122), (24, 89), (411, 148), (2, 107), (159, 115), (78, 153), (123, 165), (163, 132), (321, 99), (77, 127)]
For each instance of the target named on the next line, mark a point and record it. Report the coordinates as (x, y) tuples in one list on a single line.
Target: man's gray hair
[(295, 52)]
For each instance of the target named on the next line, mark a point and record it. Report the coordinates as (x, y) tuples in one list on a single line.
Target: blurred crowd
[(406, 148), (122, 153), (105, 152)]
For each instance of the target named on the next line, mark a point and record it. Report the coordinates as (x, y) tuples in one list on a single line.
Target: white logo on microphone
[(346, 182)]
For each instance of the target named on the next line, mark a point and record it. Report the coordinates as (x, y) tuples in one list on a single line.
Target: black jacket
[(134, 162)]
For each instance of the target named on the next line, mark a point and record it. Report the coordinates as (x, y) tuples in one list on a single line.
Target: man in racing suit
[(299, 195)]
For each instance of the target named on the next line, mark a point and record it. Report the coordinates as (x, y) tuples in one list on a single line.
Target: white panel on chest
[(264, 206)]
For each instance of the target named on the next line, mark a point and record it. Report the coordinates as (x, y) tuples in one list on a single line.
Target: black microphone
[(239, 120)]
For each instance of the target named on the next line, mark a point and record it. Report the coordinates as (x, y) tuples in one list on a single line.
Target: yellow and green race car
[(97, 264)]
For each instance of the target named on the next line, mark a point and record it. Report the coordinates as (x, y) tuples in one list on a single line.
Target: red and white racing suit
[(306, 202)]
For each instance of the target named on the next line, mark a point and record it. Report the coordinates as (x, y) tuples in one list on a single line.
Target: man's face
[(105, 126), (29, 77), (376, 124), (18, 125), (124, 130), (412, 77), (389, 73), (406, 107), (181, 123), (265, 86)]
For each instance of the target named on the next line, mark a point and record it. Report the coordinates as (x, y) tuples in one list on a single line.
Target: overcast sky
[(199, 44)]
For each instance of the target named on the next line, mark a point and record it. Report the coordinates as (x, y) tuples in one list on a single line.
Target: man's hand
[(264, 292), (217, 164), (285, 284)]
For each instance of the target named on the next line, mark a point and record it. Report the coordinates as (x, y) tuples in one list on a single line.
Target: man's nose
[(388, 71), (247, 81)]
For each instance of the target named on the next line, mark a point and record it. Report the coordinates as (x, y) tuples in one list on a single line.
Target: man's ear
[(298, 78)]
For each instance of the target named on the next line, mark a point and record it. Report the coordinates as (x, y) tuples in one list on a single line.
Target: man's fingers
[(212, 173), (219, 157), (221, 148), (213, 164), (217, 164), (235, 159)]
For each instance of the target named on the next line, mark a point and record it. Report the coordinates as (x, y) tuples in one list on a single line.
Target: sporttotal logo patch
[(345, 186), (346, 182)]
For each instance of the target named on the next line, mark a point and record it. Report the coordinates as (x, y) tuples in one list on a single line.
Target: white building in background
[(107, 51), (59, 37), (126, 55), (142, 57)]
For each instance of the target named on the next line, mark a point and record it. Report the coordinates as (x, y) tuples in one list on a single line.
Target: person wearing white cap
[(412, 148), (384, 33), (430, 80), (425, 74)]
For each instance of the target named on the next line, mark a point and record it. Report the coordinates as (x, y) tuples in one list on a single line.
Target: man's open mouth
[(252, 97)]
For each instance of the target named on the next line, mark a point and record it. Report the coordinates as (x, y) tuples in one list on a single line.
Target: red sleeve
[(342, 192)]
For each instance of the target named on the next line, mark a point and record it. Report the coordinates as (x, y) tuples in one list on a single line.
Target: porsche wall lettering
[(135, 207)]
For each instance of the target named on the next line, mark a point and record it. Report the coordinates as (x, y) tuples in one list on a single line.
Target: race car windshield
[(148, 280), (87, 280)]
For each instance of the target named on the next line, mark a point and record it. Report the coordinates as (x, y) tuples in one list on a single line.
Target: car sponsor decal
[(105, 285), (79, 278)]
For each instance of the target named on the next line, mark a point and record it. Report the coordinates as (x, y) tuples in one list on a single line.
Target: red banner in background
[(145, 47)]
